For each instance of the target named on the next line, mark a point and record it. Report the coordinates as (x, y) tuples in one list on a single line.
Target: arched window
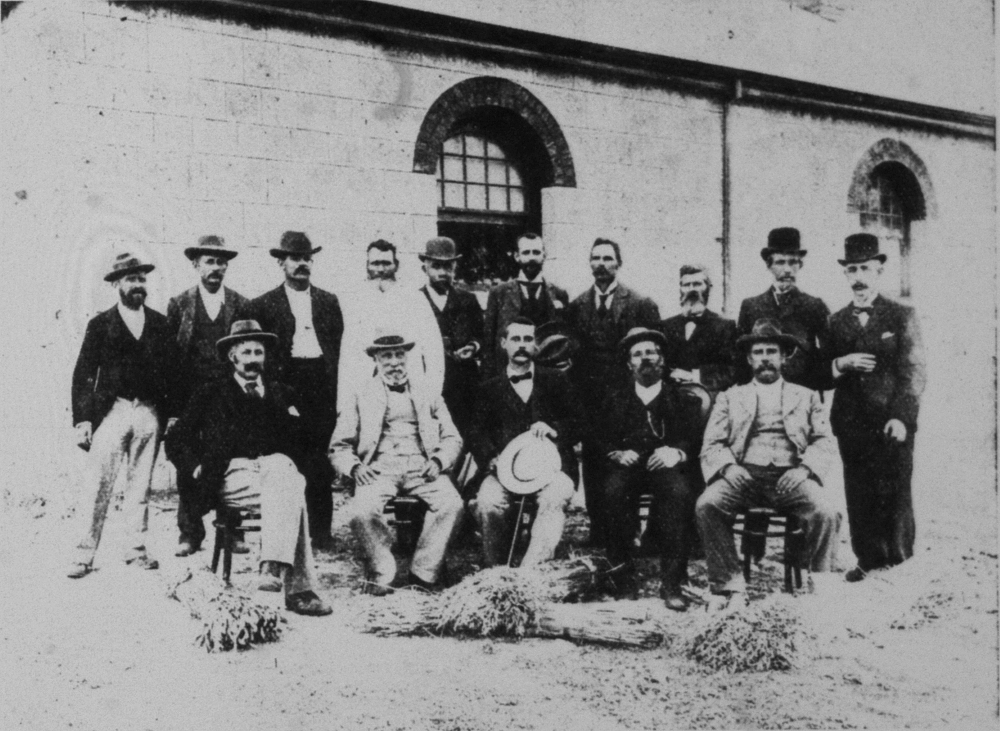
[(474, 174), (887, 207)]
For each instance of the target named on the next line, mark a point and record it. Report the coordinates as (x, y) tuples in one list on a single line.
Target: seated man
[(767, 444), (239, 438), (394, 438), (524, 398), (646, 439)]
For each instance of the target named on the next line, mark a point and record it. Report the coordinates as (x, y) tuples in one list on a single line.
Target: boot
[(674, 575)]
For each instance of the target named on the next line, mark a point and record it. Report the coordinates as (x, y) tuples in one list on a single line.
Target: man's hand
[(84, 435), (197, 472), (431, 470), (541, 430), (792, 479), (624, 457), (737, 476), (170, 425), (664, 458), (365, 475), (465, 353), (682, 376), (491, 468), (860, 362), (895, 429)]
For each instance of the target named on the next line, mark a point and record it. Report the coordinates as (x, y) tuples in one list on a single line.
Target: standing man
[(198, 318), (601, 317), (701, 345), (124, 390), (767, 444), (524, 399), (798, 314), (309, 326), (460, 319), (393, 438), (878, 367), (529, 295), (647, 441)]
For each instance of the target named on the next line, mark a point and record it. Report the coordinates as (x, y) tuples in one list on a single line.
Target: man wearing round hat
[(309, 325), (395, 437), (767, 444), (460, 319), (527, 421), (240, 438), (796, 312), (646, 439), (878, 367), (124, 390), (198, 318)]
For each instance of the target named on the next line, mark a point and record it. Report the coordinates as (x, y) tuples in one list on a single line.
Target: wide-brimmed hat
[(388, 341), (527, 464), (555, 344), (861, 247), (243, 330), (639, 334), (127, 263), (440, 248), (295, 242), (783, 241), (767, 330), (210, 245)]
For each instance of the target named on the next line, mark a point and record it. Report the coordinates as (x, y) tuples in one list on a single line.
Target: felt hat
[(638, 335), (783, 241), (859, 248), (243, 330), (127, 263), (210, 245), (555, 344), (388, 341), (440, 248), (527, 464), (767, 330), (294, 242)]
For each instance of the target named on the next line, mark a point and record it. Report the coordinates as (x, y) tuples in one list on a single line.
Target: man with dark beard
[(767, 444), (124, 390), (700, 344), (878, 367)]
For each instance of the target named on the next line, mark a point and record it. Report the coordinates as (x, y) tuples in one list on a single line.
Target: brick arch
[(482, 92), (922, 200)]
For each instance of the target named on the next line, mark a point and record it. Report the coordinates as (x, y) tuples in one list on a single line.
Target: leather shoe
[(414, 580), (272, 576), (186, 548), (240, 546), (144, 562), (373, 589), (78, 570), (855, 574), (674, 598), (307, 603)]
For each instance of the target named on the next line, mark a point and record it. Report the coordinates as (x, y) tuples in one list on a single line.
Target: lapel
[(318, 313), (512, 299), (744, 415), (512, 402), (228, 306), (372, 408), (283, 313), (619, 301), (876, 320), (188, 306), (449, 302)]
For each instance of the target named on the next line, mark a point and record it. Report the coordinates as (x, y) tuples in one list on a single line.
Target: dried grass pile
[(767, 635)]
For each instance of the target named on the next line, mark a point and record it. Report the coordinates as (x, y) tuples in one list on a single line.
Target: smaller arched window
[(890, 203), (474, 174)]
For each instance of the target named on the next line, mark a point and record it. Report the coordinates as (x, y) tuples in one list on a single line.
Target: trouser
[(877, 474), (191, 508), (318, 417), (444, 508), (492, 505), (716, 511), (274, 483), (670, 513), (130, 433), (593, 466)]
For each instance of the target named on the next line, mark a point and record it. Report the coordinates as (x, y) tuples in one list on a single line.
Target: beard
[(531, 269), (394, 376), (134, 299), (766, 373), (441, 286), (694, 297)]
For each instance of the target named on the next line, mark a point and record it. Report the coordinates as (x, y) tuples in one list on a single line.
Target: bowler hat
[(440, 248), (766, 330), (859, 248), (243, 330), (210, 245), (638, 335), (295, 242), (527, 464), (388, 341), (783, 241), (555, 344), (127, 263)]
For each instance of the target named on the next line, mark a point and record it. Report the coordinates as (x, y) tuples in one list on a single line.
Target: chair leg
[(747, 557), (220, 536), (788, 577), (227, 556), (798, 577)]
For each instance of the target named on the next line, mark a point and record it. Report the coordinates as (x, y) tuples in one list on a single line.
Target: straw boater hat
[(527, 464), (294, 242), (240, 331), (859, 248), (440, 248), (127, 263), (640, 334), (555, 344), (388, 341), (210, 245), (767, 330), (783, 241)]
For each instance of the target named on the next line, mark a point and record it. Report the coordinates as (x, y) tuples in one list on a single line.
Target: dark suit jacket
[(461, 323), (181, 311), (864, 402), (274, 314), (499, 409), (97, 377), (712, 348), (502, 306), (222, 422), (803, 316)]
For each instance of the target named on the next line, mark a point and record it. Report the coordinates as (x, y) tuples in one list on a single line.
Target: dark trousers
[(191, 508), (318, 413), (672, 511), (593, 463), (877, 474)]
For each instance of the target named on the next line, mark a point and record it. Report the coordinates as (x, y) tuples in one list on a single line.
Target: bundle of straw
[(496, 602)]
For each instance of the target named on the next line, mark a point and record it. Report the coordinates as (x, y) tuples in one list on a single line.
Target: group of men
[(265, 401)]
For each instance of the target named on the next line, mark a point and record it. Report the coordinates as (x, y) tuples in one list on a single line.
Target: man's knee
[(445, 498), (557, 494), (710, 501), (491, 499), (820, 507), (369, 501)]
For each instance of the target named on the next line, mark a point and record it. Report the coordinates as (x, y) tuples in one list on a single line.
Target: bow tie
[(251, 388), (858, 310), (401, 388), (692, 318), (522, 377)]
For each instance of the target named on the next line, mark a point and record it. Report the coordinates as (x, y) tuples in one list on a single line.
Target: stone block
[(118, 44)]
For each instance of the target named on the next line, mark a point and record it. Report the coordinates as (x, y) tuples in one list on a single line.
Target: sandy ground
[(911, 647)]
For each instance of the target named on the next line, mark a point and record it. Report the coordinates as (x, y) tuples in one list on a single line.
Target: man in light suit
[(198, 317), (530, 295), (767, 444), (393, 437)]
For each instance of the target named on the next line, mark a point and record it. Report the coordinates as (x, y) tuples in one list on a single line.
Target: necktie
[(397, 388), (862, 313), (522, 377), (602, 307), (532, 288), (251, 388)]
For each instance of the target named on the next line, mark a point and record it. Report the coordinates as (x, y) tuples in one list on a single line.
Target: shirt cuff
[(837, 373)]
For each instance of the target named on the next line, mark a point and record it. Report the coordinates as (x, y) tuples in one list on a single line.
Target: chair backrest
[(697, 392)]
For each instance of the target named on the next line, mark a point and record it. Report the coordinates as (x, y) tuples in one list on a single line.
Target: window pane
[(453, 146), (477, 197), (452, 168), (495, 151), (454, 195), (517, 200), (475, 146), (475, 170), (515, 177), (498, 172), (498, 198)]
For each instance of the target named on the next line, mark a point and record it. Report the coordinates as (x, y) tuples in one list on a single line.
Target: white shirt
[(304, 343), (525, 387), (244, 381), (212, 302), (610, 293), (647, 394), (768, 395), (439, 300), (523, 280), (135, 320)]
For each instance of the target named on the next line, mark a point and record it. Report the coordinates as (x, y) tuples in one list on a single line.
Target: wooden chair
[(756, 525), (407, 515), (229, 523)]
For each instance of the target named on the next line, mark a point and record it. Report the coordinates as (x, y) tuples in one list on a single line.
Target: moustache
[(693, 297), (138, 292), (858, 286), (302, 269), (253, 367), (786, 278), (764, 368), (521, 351), (215, 275)]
